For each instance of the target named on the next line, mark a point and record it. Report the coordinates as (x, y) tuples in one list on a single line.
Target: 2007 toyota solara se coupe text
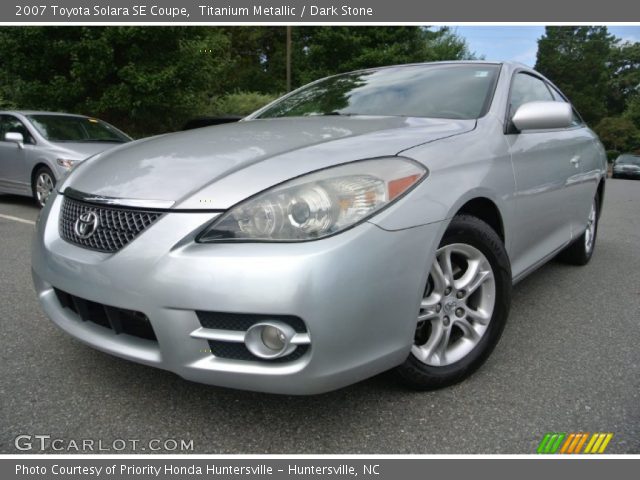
[(367, 221)]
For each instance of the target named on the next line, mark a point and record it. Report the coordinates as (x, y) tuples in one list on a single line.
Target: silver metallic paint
[(542, 116), (359, 292), (227, 277)]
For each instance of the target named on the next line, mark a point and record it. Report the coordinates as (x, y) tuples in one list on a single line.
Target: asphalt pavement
[(568, 361)]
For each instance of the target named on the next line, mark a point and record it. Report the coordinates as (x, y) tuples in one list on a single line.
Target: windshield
[(63, 128), (436, 91), (628, 160)]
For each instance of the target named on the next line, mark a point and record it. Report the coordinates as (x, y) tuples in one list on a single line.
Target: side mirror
[(542, 116), (14, 137)]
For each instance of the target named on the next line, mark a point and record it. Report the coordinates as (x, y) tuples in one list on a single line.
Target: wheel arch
[(39, 164), (485, 209)]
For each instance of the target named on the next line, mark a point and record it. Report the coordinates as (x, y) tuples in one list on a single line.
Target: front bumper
[(358, 294), (626, 173)]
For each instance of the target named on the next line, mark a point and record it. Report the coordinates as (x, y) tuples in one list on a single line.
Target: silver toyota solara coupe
[(367, 221)]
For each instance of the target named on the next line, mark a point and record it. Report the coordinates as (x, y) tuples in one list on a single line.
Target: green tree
[(143, 79), (577, 59), (624, 84), (257, 58), (618, 133), (322, 51), (633, 110), (444, 44)]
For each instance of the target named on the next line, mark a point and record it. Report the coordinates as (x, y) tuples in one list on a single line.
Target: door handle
[(575, 161)]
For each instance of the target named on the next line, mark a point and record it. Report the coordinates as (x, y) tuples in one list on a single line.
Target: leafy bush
[(612, 155), (618, 133), (240, 103)]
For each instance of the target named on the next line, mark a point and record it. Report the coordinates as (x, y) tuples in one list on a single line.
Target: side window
[(527, 88), (9, 123), (576, 121)]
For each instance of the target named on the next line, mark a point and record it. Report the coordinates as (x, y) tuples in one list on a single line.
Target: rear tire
[(581, 250), (464, 309), (42, 185)]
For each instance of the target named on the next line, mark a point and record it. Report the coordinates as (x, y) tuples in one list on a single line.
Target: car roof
[(448, 62)]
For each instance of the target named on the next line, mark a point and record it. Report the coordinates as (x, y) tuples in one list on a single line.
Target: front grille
[(242, 322), (120, 320), (116, 226)]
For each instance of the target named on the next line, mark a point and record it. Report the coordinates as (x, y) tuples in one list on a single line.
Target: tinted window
[(62, 128), (628, 160), (437, 91), (527, 88), (9, 123)]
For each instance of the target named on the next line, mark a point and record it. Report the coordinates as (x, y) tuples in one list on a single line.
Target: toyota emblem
[(86, 225)]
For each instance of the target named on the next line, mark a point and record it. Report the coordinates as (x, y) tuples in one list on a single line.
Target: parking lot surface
[(568, 361)]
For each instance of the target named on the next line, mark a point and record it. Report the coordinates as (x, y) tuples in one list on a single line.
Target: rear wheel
[(464, 309), (42, 185), (581, 250)]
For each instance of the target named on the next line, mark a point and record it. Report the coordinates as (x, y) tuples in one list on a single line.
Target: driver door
[(543, 168), (14, 168)]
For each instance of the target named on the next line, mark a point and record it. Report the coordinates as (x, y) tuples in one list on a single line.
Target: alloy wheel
[(457, 306), (44, 187)]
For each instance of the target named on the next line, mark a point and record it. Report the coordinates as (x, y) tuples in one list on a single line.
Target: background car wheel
[(581, 250), (464, 309), (42, 185)]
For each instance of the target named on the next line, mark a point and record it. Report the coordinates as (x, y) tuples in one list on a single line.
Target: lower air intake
[(120, 320)]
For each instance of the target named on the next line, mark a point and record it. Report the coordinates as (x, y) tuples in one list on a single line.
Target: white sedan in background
[(37, 148)]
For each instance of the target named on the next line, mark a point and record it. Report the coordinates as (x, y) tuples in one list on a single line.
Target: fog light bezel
[(255, 344)]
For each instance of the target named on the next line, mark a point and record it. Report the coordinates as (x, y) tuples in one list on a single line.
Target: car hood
[(82, 150), (215, 167)]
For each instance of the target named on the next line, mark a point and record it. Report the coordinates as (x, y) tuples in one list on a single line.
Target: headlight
[(318, 204), (66, 163)]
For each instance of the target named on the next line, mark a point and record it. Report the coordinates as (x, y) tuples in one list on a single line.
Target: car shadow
[(17, 200)]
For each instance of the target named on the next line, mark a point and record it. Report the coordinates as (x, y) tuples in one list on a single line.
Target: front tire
[(465, 306), (42, 185)]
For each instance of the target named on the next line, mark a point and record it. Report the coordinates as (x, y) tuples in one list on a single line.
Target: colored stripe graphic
[(551, 442), (607, 439), (598, 443), (572, 443), (581, 443), (543, 443)]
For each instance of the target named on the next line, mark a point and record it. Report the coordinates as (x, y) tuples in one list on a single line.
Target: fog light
[(270, 339), (273, 338)]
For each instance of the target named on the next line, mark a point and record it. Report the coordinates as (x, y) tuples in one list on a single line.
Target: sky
[(520, 43)]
